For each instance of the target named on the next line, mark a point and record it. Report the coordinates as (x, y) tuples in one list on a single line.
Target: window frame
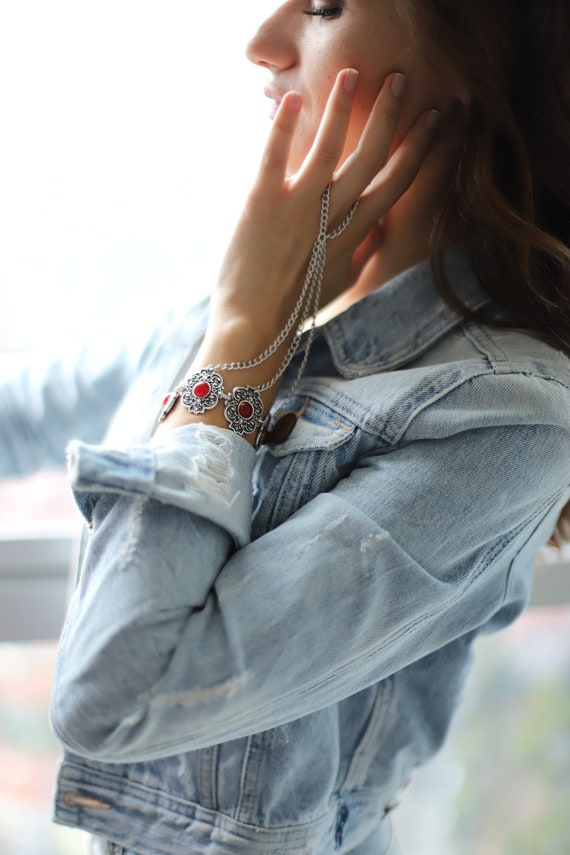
[(37, 567), (35, 574)]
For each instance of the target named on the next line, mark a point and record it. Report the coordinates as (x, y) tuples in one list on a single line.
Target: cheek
[(302, 142), (308, 125), (309, 122), (361, 109), (316, 94)]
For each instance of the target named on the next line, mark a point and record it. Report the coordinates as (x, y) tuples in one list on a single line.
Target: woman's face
[(304, 43)]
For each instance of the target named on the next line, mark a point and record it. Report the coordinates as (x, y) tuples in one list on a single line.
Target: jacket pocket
[(321, 450)]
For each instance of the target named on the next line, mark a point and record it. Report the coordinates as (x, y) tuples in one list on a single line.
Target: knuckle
[(390, 109), (329, 156), (281, 124), (344, 108), (398, 180), (369, 169), (272, 161)]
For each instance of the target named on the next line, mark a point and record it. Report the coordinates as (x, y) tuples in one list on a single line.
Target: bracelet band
[(243, 408)]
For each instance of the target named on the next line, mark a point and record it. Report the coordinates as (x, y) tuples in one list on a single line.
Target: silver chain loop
[(308, 300)]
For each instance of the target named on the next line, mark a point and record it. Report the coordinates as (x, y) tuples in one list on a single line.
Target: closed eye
[(324, 12)]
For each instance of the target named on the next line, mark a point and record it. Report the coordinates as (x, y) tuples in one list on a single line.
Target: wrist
[(242, 409), (237, 395)]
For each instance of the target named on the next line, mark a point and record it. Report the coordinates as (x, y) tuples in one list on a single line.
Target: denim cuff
[(202, 469)]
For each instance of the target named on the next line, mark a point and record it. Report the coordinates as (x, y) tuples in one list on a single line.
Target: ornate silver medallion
[(202, 391), (244, 409)]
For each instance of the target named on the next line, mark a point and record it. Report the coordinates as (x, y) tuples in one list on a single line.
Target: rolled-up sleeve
[(201, 469)]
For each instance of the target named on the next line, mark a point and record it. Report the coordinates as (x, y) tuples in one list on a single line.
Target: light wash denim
[(263, 646), (376, 844)]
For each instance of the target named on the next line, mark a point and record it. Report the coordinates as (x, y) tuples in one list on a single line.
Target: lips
[(275, 96)]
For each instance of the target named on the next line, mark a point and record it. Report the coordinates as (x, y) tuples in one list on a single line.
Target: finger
[(401, 168), (395, 177), (273, 167), (324, 155), (375, 144)]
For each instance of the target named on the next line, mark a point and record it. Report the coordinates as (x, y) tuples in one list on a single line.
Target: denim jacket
[(263, 645)]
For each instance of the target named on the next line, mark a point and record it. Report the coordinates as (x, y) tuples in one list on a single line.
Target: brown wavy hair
[(511, 187)]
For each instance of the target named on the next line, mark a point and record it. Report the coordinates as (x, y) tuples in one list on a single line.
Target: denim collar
[(401, 319)]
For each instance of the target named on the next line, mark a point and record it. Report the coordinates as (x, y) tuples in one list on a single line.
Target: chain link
[(308, 301), (316, 269)]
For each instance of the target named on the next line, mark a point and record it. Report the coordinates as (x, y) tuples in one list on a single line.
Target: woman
[(274, 620)]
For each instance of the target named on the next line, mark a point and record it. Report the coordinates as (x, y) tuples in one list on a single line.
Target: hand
[(264, 266)]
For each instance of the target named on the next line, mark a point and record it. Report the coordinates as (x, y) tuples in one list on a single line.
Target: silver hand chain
[(315, 275), (310, 294)]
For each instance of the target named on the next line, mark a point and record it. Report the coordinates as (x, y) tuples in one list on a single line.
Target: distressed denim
[(374, 845), (263, 646)]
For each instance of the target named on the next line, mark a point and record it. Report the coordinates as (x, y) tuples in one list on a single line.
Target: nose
[(274, 45)]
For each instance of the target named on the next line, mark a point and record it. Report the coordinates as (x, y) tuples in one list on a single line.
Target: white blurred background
[(130, 134)]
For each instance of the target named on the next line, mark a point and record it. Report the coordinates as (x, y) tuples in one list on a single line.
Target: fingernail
[(293, 102), (398, 85), (350, 80), (432, 119)]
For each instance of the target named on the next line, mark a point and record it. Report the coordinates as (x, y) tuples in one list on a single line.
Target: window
[(118, 190), (29, 754), (125, 159), (501, 784), (131, 134)]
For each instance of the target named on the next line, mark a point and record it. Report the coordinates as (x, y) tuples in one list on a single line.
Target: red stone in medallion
[(202, 390), (245, 410)]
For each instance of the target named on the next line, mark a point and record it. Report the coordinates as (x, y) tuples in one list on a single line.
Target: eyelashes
[(325, 12)]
